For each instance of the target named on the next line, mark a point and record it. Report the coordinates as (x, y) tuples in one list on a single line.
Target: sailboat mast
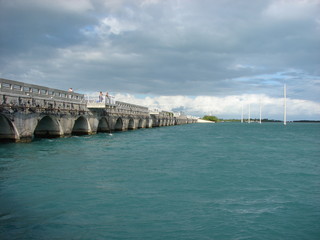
[(260, 112), (242, 114), (285, 104), (249, 115)]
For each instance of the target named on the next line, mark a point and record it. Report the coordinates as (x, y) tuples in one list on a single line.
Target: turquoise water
[(197, 181)]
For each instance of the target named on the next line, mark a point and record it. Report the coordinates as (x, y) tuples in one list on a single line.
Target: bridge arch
[(8, 132), (81, 126), (103, 125), (140, 124), (157, 122), (48, 127), (119, 124), (148, 121), (131, 124), (160, 122)]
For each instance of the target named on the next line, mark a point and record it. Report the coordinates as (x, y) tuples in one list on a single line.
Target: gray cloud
[(154, 47)]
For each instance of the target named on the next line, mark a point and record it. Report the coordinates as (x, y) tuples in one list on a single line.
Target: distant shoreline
[(306, 121), (204, 121), (268, 121)]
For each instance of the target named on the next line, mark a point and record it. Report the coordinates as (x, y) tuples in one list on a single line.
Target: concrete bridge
[(28, 111)]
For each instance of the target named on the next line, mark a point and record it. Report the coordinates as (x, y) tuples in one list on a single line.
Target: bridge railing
[(20, 89), (154, 111), (24, 95), (96, 102), (128, 108)]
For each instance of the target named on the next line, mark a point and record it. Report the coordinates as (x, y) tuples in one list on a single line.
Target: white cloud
[(292, 10), (78, 53), (111, 25), (244, 66)]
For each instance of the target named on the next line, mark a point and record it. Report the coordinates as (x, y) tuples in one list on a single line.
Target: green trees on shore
[(211, 118), (216, 119)]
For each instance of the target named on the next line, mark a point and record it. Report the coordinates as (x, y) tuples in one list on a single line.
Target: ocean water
[(196, 181)]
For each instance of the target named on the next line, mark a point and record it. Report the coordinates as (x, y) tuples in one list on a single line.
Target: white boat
[(242, 114)]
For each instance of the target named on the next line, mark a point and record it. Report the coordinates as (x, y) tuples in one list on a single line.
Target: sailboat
[(249, 115), (242, 114), (260, 112), (285, 104)]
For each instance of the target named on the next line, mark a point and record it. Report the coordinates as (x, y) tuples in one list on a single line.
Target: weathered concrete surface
[(28, 111)]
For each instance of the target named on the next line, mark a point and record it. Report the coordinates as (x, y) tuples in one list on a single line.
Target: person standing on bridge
[(100, 97), (107, 98)]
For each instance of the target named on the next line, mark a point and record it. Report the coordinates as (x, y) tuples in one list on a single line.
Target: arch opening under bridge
[(8, 132), (148, 121), (47, 127), (81, 126), (103, 125), (131, 124), (119, 125)]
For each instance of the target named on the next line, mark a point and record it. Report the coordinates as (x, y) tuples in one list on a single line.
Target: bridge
[(28, 111)]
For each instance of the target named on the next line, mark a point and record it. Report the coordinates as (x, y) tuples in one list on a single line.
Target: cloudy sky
[(199, 56)]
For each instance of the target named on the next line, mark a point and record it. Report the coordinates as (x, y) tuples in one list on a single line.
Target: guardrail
[(131, 107), (31, 96), (96, 102), (20, 89), (115, 106)]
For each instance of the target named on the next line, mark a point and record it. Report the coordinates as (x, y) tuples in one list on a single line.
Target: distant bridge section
[(28, 111)]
